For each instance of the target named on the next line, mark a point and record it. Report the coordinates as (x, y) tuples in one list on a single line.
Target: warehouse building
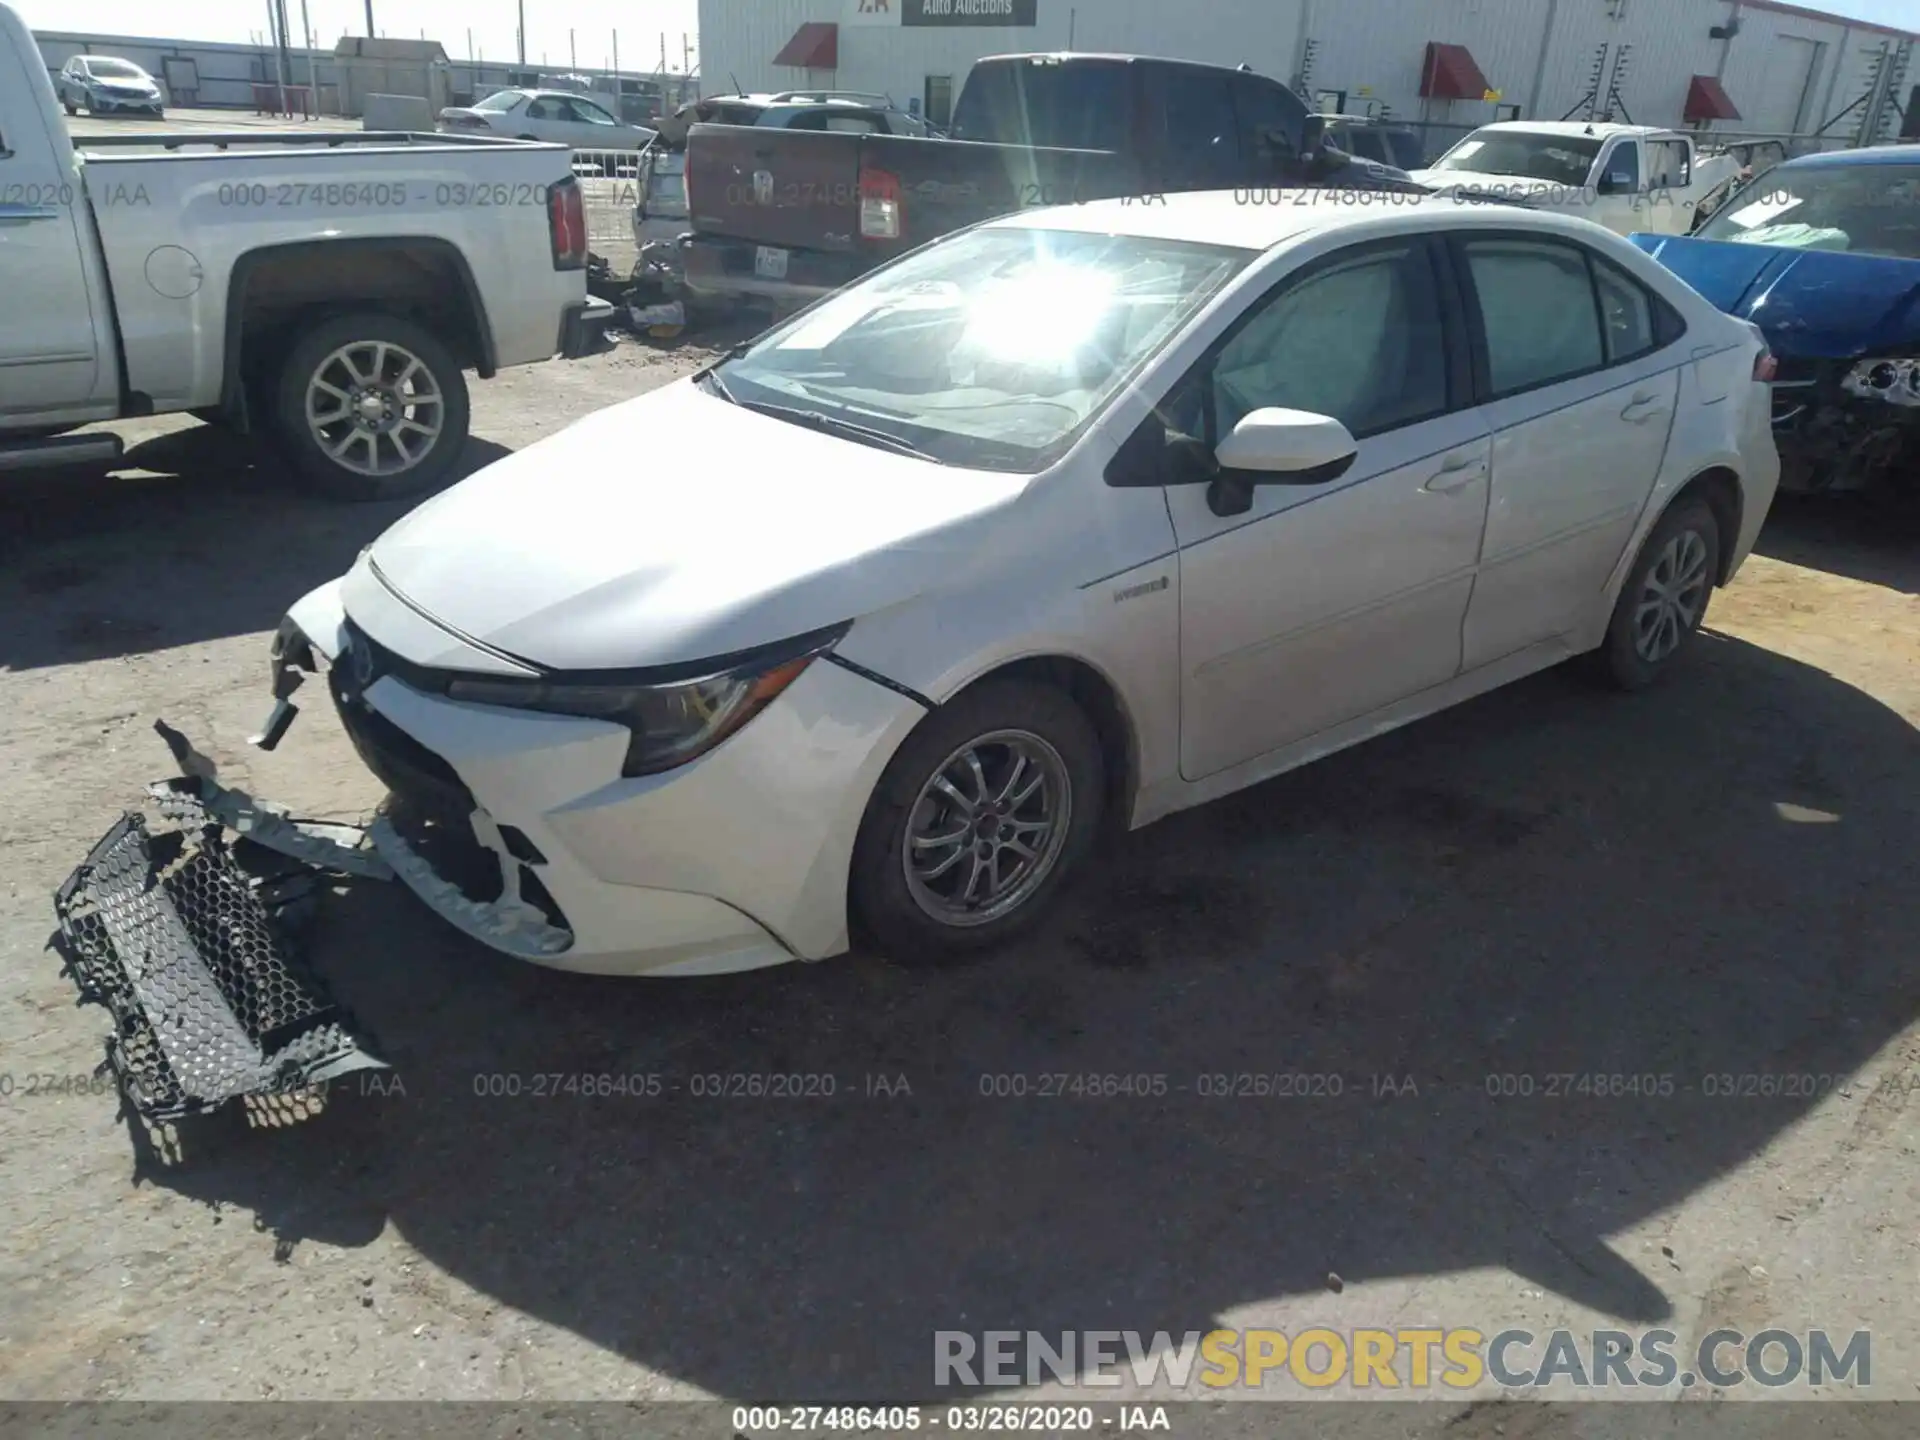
[(1733, 66)]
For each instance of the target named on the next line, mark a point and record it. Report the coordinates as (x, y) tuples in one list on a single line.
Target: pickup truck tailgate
[(779, 187)]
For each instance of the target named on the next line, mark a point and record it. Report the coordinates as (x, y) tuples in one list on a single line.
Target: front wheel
[(984, 813), (72, 109), (1664, 601), (371, 406)]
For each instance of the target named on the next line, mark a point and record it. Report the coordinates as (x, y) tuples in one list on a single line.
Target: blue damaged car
[(1823, 254)]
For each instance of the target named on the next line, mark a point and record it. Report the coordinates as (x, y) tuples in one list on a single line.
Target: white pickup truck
[(1626, 177), (326, 289)]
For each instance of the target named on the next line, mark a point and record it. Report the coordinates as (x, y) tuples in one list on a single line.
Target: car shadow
[(96, 563), (1494, 967), (1859, 539)]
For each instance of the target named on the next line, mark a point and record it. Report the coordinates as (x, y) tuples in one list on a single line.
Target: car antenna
[(736, 84)]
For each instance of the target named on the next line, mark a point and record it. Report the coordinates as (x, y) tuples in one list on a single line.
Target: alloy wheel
[(987, 828), (374, 408), (1672, 597)]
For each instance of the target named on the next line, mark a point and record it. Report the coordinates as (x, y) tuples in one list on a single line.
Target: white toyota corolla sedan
[(1079, 517)]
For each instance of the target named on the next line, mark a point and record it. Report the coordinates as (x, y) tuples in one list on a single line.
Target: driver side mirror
[(1278, 447)]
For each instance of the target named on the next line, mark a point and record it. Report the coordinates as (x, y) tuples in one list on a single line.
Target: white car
[(559, 116), (1082, 515), (105, 85), (1629, 178)]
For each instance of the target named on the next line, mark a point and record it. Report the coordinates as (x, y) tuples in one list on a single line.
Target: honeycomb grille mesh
[(208, 1000)]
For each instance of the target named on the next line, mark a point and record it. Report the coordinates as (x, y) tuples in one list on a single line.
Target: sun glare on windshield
[(1047, 311)]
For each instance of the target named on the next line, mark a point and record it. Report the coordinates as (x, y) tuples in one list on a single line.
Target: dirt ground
[(1712, 879)]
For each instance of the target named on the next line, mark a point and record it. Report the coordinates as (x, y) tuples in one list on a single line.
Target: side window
[(1621, 173), (1537, 310), (806, 120), (1263, 108), (1201, 127), (855, 124), (591, 114), (1626, 314), (1667, 167), (545, 109), (1360, 339)]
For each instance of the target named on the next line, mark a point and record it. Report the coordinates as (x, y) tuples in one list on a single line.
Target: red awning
[(814, 46), (1450, 74), (1707, 100)]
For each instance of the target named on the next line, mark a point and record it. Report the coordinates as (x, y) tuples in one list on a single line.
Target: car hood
[(676, 527), (1447, 181), (1811, 304)]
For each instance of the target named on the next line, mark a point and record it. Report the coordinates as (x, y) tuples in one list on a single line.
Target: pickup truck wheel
[(372, 407)]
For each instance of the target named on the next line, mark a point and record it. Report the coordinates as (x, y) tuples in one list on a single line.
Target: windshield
[(500, 101), (1562, 159), (115, 70), (1864, 209), (993, 349)]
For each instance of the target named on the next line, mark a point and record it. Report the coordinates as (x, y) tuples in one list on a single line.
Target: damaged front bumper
[(180, 943), (1848, 425)]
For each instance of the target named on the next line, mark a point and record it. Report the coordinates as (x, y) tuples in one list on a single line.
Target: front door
[(49, 346), (1581, 380), (1325, 602)]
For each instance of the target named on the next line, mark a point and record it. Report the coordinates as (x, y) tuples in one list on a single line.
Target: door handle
[(1457, 473), (1644, 408), (21, 214)]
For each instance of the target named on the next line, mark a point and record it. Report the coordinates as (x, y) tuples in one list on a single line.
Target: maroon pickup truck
[(787, 215)]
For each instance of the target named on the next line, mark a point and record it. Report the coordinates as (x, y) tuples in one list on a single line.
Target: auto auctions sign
[(968, 12)]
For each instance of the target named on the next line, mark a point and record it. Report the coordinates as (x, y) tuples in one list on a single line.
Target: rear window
[(1079, 106)]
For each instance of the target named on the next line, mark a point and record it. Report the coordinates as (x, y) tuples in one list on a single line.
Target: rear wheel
[(1664, 601), (371, 406), (72, 109), (983, 814)]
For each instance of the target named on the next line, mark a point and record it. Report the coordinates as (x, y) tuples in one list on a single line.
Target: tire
[(1008, 721), (72, 109), (1641, 647), (317, 356)]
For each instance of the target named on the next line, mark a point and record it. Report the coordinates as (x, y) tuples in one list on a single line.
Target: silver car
[(105, 85)]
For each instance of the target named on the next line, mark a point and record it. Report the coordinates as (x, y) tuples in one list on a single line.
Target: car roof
[(1067, 56), (1596, 129), (1262, 219), (1874, 155), (118, 59)]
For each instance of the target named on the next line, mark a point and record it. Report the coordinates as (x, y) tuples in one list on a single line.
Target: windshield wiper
[(834, 425)]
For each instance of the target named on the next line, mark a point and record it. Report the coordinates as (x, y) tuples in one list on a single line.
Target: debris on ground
[(183, 937)]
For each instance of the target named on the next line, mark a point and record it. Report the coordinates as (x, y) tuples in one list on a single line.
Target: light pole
[(370, 31), (523, 34)]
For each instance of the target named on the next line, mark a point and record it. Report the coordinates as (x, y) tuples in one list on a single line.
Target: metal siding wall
[(1376, 43)]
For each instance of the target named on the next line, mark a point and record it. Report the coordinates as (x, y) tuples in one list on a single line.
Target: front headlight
[(1894, 379), (670, 723)]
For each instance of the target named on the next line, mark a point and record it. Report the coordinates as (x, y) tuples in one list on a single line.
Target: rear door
[(1578, 369), (546, 117)]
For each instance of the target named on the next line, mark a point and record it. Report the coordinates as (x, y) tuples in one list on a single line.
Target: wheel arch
[(1094, 691), (1720, 487), (273, 289)]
